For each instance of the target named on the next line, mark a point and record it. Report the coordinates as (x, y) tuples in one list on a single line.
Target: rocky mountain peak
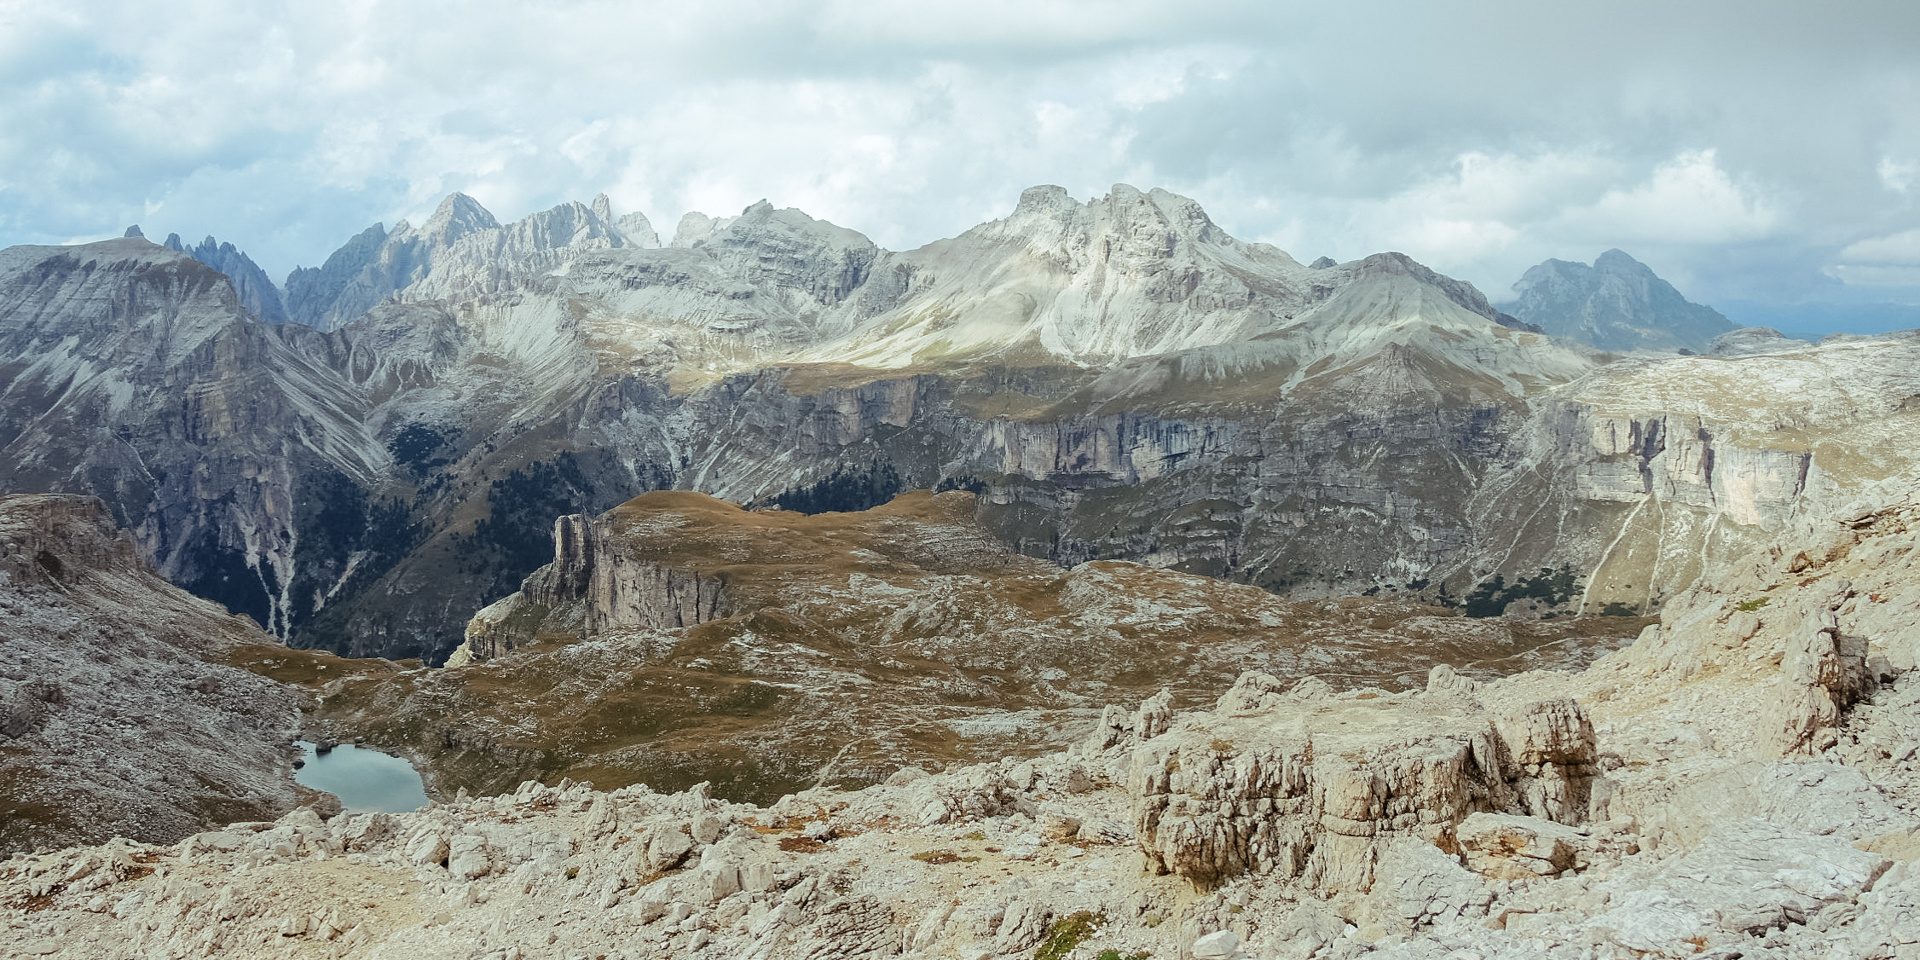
[(1394, 264), (1617, 261), (457, 216), (1617, 303), (638, 230), (1126, 223), (695, 227), (793, 251), (311, 292), (133, 231), (1044, 200), (602, 207), (256, 290)]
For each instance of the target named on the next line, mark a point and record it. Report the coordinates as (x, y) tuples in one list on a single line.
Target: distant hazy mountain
[(1615, 304), (256, 290)]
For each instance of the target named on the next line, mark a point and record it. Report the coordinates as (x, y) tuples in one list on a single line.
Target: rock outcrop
[(596, 589), (1313, 787)]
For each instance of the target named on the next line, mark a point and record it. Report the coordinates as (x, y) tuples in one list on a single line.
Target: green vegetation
[(844, 492), (1067, 933), (1550, 586), (1116, 955), (1752, 605)]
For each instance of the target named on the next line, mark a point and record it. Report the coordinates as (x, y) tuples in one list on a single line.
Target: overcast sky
[(1761, 153)]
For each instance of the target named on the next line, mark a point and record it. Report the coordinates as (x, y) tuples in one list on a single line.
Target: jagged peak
[(1044, 199), (638, 230), (457, 216), (132, 232), (602, 207)]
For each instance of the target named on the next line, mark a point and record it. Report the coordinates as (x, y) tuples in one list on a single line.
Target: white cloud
[(1688, 200), (1900, 248), (1896, 175), (1890, 261)]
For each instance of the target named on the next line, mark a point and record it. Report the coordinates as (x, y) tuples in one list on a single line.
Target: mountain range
[(1117, 378)]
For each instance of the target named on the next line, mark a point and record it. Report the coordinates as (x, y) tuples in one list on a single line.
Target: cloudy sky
[(1762, 155)]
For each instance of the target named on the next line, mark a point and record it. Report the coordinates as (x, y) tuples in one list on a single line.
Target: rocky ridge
[(1741, 781), (256, 290), (119, 714)]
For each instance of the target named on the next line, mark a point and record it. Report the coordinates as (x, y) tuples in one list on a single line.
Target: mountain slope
[(1615, 304), (118, 713)]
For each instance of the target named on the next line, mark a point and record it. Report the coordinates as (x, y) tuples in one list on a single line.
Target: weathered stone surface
[(1310, 788), (1517, 848)]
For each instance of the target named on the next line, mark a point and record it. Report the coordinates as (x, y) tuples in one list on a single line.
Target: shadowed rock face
[(118, 713), (1617, 303)]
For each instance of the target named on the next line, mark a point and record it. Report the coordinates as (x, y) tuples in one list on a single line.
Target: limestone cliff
[(596, 588)]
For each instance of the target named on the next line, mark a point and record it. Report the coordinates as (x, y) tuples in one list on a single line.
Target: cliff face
[(592, 588), (119, 715)]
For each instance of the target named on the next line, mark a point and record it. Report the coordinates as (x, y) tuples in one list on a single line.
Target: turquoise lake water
[(366, 781)]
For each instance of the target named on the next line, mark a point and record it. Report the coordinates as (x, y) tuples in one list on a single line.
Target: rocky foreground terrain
[(119, 715), (1741, 781)]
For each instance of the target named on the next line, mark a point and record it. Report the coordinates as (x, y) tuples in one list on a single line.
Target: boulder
[(1508, 847)]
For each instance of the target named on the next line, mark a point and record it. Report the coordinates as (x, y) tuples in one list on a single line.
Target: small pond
[(366, 781)]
